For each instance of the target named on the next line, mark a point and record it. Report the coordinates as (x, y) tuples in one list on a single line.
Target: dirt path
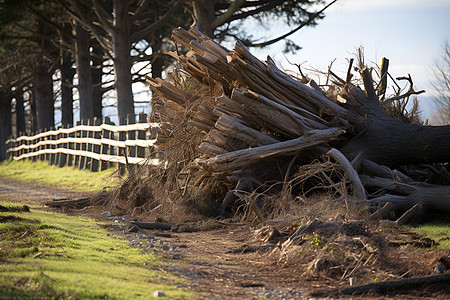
[(30, 193), (202, 257)]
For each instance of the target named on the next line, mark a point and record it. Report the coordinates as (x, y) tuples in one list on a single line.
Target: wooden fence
[(92, 144)]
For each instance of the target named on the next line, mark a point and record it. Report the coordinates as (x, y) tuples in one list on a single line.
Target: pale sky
[(408, 32)]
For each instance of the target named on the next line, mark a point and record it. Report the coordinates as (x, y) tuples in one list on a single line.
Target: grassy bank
[(67, 178), (438, 230), (51, 255)]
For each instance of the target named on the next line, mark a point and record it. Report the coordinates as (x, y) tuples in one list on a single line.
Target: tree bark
[(204, 16), (158, 62), (43, 90), (5, 123), (67, 74), (122, 59), (20, 112), (82, 42), (393, 142), (33, 114), (97, 75)]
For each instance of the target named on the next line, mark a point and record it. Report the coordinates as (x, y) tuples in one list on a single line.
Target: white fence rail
[(92, 145)]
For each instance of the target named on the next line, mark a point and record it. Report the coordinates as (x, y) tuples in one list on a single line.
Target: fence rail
[(93, 145)]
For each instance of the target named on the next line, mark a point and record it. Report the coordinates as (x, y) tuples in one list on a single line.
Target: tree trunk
[(67, 74), (122, 59), (158, 61), (84, 72), (33, 115), (393, 142), (43, 90), (97, 75), (20, 112), (204, 16), (5, 123)]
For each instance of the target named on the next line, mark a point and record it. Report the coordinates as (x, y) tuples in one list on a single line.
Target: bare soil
[(318, 266)]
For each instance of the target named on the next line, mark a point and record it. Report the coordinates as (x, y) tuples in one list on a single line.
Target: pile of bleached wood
[(271, 114)]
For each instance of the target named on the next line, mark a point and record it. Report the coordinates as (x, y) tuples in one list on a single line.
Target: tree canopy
[(111, 44)]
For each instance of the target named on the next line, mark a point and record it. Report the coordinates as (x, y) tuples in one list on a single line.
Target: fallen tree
[(253, 120)]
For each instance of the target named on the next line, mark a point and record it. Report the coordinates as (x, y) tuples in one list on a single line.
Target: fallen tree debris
[(258, 123), (152, 225), (382, 286), (72, 203)]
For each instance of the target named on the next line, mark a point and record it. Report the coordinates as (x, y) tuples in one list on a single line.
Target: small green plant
[(317, 241)]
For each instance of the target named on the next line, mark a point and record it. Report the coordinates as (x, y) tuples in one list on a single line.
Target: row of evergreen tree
[(97, 42)]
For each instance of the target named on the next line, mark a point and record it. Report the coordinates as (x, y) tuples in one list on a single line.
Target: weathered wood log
[(72, 203), (360, 193), (241, 158), (233, 127), (152, 225), (403, 283), (169, 91)]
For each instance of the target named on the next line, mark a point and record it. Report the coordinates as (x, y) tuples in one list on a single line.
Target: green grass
[(67, 178), (438, 230), (51, 255)]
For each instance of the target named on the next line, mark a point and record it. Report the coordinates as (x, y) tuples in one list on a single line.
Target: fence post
[(47, 146), (89, 134), (105, 148), (28, 143), (141, 135), (83, 134), (52, 156), (34, 141), (121, 151), (131, 136), (63, 156), (96, 148), (41, 147), (70, 146), (77, 136), (57, 146), (12, 144)]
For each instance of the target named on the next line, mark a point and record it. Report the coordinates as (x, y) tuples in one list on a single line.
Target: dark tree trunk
[(43, 90), (67, 73), (33, 115), (122, 59), (5, 123), (97, 75), (20, 112), (204, 16), (84, 73), (158, 60), (393, 142)]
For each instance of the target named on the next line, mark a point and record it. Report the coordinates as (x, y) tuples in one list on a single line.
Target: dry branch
[(396, 285), (241, 158)]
